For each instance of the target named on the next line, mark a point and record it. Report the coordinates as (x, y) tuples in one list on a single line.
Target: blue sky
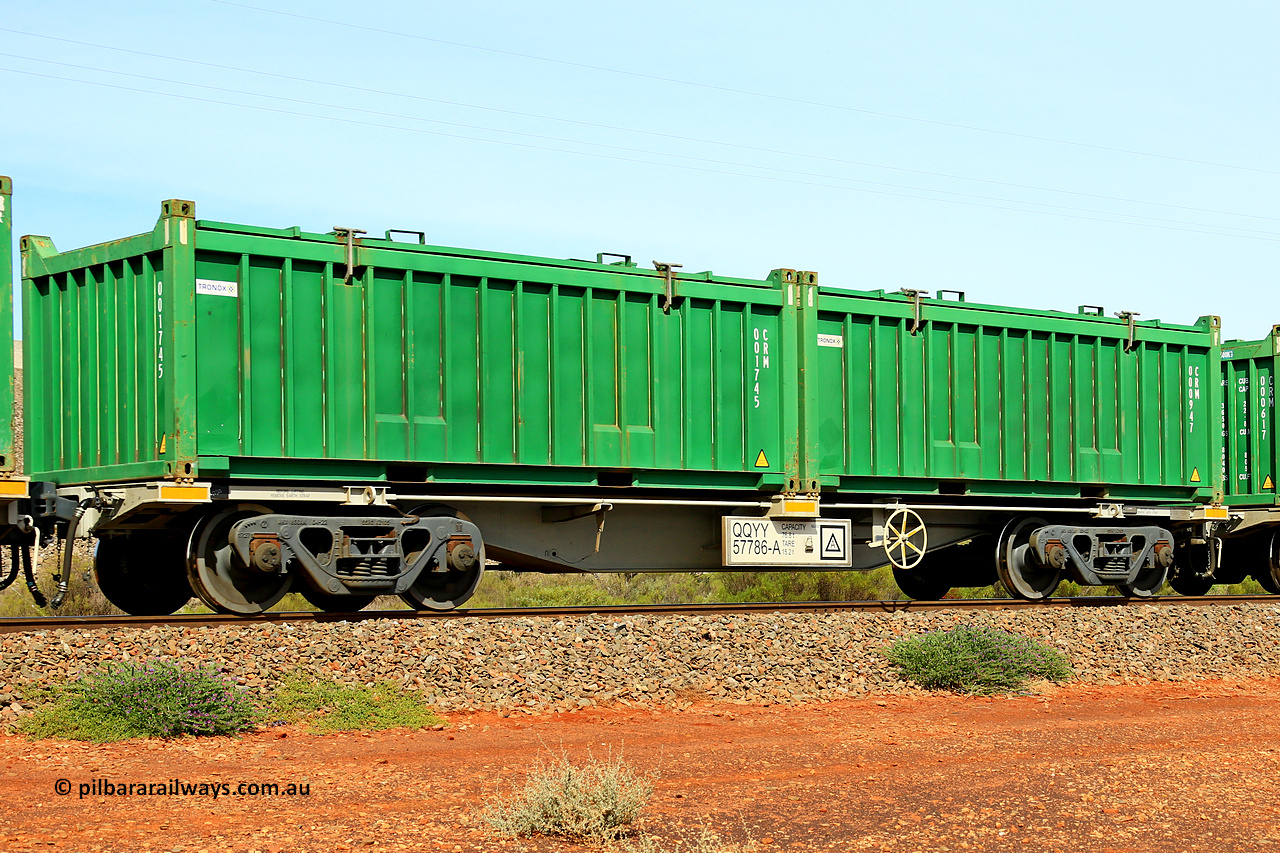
[(1045, 154)]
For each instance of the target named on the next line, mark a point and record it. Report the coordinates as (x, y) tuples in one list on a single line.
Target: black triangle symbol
[(832, 546)]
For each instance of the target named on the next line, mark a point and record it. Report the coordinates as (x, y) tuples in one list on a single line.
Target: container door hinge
[(669, 295), (915, 296), (350, 234), (1130, 317)]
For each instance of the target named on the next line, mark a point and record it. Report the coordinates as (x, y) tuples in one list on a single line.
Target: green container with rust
[(1250, 454), (208, 350), (943, 397)]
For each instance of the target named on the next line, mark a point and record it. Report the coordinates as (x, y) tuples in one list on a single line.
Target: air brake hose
[(10, 576), (30, 575), (68, 549)]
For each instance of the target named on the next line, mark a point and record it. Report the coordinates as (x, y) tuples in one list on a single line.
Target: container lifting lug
[(1130, 318), (350, 234), (914, 296), (668, 283)]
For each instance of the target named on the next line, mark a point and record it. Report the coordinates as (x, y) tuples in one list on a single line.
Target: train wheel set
[(235, 412)]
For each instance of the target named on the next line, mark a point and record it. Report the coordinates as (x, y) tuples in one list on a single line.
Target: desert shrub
[(130, 700), (327, 706), (595, 801), (982, 661)]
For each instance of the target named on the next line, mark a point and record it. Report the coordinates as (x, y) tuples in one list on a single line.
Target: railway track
[(49, 623)]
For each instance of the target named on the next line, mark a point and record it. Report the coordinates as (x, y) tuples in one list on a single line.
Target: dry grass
[(595, 801)]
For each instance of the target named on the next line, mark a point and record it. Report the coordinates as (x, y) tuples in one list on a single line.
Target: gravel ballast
[(538, 664)]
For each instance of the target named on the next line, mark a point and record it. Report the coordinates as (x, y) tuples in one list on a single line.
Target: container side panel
[(534, 401), (262, 307), (602, 388), (497, 398), (668, 388), (1019, 441), (97, 359), (640, 370), (425, 361), (307, 417), (218, 372), (387, 366), (761, 362), (569, 366), (700, 382), (460, 361), (940, 386), (346, 388)]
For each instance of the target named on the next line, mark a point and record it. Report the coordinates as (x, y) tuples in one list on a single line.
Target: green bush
[(327, 706), (128, 700), (596, 801), (982, 661)]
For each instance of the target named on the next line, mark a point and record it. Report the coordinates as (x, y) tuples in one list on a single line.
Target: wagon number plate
[(813, 542)]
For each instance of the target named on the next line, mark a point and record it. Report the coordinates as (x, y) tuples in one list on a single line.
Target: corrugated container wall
[(1249, 452), (254, 352), (992, 400), (213, 350)]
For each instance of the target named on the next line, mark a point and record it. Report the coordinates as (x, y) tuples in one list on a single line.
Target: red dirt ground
[(1162, 767)]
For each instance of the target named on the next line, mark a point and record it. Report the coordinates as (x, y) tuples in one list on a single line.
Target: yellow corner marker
[(163, 438), (761, 461), (1267, 484), (1195, 475)]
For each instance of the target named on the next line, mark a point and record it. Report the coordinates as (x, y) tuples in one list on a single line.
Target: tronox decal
[(213, 287)]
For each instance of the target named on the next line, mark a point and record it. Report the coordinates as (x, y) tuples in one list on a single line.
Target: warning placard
[(810, 542)]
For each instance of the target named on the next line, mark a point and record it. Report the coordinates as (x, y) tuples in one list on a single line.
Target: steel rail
[(51, 623)]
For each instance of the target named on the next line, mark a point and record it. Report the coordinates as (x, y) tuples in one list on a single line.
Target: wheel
[(1017, 566), (921, 585), (905, 538), (442, 590), (142, 573), (1267, 574), (330, 603), (218, 576)]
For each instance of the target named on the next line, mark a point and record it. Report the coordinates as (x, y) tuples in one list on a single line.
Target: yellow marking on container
[(13, 488), (184, 493), (801, 506), (1195, 475), (1267, 484), (1216, 512), (163, 438), (762, 461)]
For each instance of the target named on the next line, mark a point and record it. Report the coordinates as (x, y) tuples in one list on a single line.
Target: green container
[(947, 397), (209, 350), (8, 460), (1250, 455)]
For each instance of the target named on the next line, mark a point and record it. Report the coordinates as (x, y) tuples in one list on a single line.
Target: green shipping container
[(944, 397), (209, 350), (1249, 450)]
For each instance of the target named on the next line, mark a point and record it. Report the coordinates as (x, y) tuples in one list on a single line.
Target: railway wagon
[(1249, 541), (235, 411)]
